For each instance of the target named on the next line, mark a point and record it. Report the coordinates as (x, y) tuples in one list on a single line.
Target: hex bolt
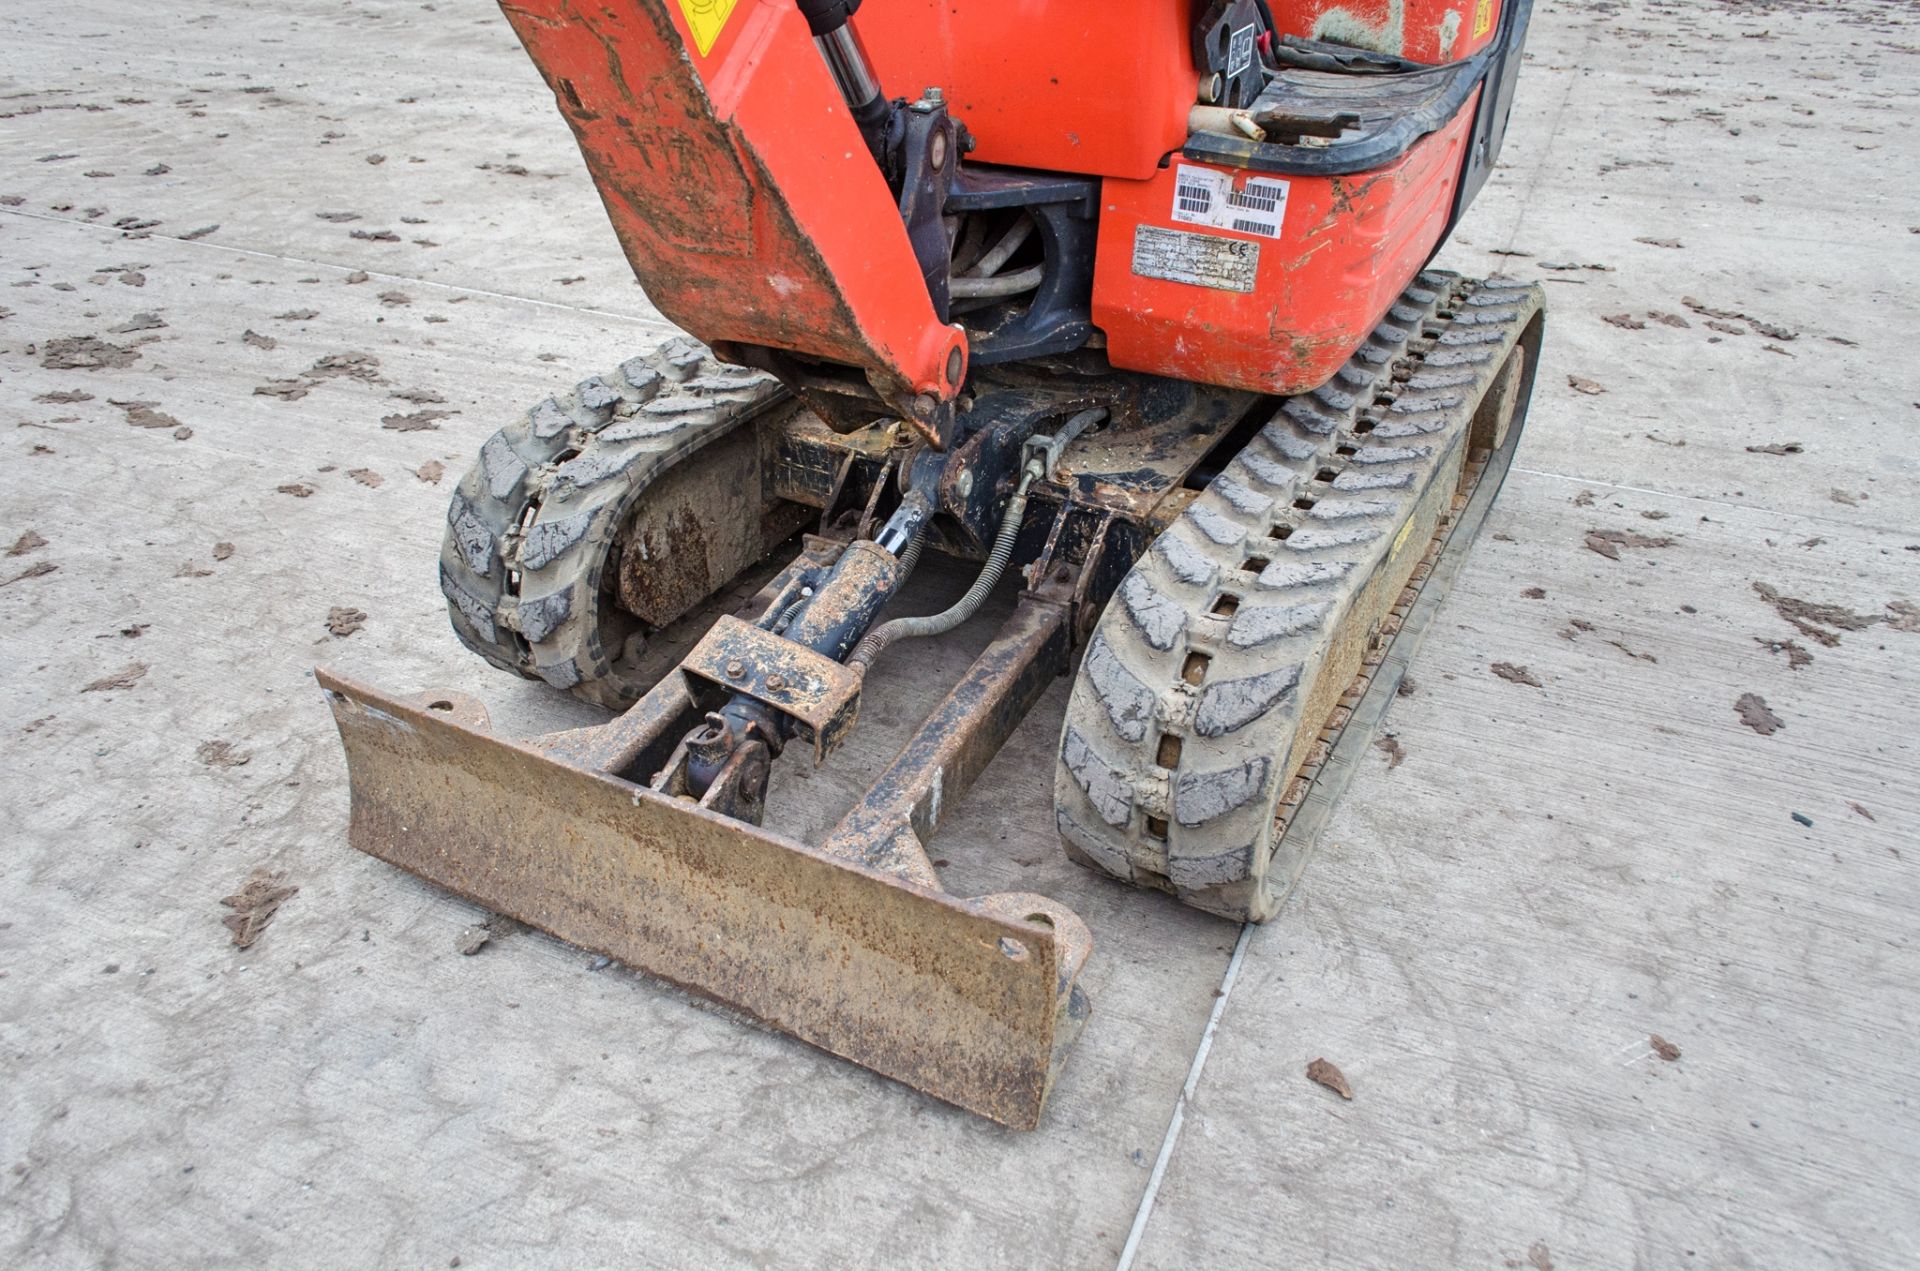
[(735, 670), (776, 681)]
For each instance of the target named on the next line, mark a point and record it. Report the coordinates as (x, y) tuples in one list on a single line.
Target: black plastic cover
[(1364, 115), (824, 17)]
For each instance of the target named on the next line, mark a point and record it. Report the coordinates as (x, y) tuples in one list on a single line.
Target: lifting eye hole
[(1346, 451), (1281, 532), (1254, 564), (1364, 426), (1194, 669), (1304, 502), (1325, 476), (1226, 606), (1157, 827), (1168, 753)]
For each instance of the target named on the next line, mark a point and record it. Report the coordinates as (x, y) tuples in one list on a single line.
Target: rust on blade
[(967, 1000)]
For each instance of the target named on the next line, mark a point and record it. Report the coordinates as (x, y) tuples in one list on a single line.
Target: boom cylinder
[(831, 22), (847, 62)]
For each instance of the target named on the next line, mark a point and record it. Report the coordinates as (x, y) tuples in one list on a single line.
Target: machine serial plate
[(1200, 260)]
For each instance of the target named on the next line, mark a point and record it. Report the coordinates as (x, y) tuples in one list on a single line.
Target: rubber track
[(531, 525), (1197, 815)]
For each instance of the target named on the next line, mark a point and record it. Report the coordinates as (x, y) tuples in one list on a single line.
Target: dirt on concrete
[(86, 353), (1753, 712), (254, 906), (1609, 542), (1329, 1076), (1818, 621)]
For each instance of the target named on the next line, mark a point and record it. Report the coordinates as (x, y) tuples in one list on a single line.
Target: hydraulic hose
[(968, 286), (911, 557), (938, 623), (1001, 251)]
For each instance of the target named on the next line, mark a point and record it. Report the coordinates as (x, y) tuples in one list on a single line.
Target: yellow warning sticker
[(1400, 539), (706, 17), (1482, 17)]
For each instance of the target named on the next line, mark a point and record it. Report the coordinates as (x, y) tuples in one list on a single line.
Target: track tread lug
[(1227, 706), (1104, 784), (1129, 702), (1257, 625), (1159, 618), (1200, 797), (1223, 531), (1189, 564)]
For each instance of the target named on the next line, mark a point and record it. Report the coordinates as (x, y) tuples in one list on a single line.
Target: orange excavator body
[(754, 215)]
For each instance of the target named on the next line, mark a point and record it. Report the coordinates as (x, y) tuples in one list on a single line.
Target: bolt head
[(735, 670), (776, 681)]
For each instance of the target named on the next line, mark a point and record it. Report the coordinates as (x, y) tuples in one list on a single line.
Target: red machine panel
[(1098, 87), (743, 194), (1104, 88), (1263, 282), (1432, 31)]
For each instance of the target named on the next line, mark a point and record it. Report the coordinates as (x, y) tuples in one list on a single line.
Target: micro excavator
[(1127, 307)]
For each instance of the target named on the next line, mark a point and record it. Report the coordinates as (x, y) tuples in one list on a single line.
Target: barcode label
[(1202, 196), (1194, 200)]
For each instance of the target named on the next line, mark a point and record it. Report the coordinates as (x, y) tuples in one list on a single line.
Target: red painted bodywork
[(1431, 31), (752, 212), (740, 188), (1347, 246), (1096, 87)]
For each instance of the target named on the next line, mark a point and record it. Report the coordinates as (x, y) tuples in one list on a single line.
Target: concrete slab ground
[(1502, 918)]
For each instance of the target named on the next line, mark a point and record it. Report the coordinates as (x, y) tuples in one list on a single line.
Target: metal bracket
[(819, 695)]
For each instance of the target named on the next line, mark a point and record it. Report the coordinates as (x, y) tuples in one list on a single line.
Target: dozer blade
[(965, 1000)]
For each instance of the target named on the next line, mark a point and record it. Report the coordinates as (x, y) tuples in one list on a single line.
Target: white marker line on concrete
[(1525, 200), (1139, 1228), (416, 279)]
